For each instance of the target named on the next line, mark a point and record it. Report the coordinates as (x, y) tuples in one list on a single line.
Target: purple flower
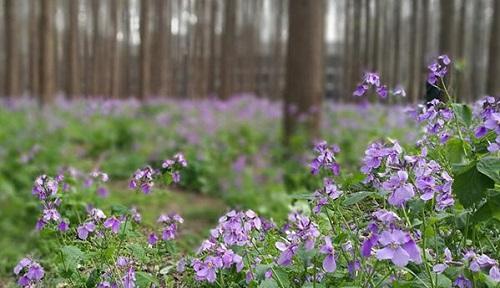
[(287, 253), (329, 191), (368, 244), (438, 69), (63, 226), (30, 272), (371, 79), (143, 180), (462, 282), (401, 191), (325, 158), (398, 247), (113, 223), (329, 262), (152, 239), (129, 278), (84, 230), (207, 270)]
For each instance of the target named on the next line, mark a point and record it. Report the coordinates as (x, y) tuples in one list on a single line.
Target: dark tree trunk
[(304, 68), (12, 60), (47, 52)]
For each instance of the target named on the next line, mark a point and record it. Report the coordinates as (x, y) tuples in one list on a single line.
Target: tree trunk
[(73, 59), (278, 43), (397, 43), (304, 68), (424, 40), (446, 35), (493, 82), (476, 61), (116, 56), (356, 46), (145, 59), (163, 52), (47, 51), (413, 85), (376, 36), (34, 50), (12, 61), (228, 57), (367, 38), (347, 50), (212, 77)]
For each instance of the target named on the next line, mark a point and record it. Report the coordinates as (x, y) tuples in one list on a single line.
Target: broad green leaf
[(269, 283), (489, 209), (455, 151), (490, 166), (463, 113), (470, 186), (72, 256), (93, 278), (144, 279), (356, 197)]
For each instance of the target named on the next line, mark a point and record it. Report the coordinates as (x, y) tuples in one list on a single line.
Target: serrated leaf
[(268, 283), (144, 279), (356, 197), (470, 186), (490, 166), (463, 113)]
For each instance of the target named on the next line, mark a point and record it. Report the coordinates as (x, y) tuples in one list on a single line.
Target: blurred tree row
[(200, 48)]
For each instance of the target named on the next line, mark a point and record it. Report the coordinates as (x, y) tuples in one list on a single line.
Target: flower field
[(173, 193)]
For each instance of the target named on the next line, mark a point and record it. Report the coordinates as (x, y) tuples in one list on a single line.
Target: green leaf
[(455, 151), (93, 278), (470, 186), (268, 283), (356, 197), (463, 113), (137, 251), (489, 209), (144, 279), (490, 166), (72, 256)]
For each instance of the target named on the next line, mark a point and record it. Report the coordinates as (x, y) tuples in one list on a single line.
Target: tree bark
[(73, 59), (34, 79), (493, 82), (116, 51), (476, 61), (228, 58), (47, 52), (413, 85), (145, 59), (397, 43), (12, 61), (304, 68), (212, 77)]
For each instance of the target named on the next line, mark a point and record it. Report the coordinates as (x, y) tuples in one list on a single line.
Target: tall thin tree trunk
[(228, 57), (347, 50), (476, 61), (34, 50), (163, 10), (96, 51), (423, 47), (47, 52), (493, 82), (461, 93), (376, 36), (367, 36), (413, 52), (73, 59), (356, 60), (397, 43), (278, 43), (145, 63), (127, 53), (212, 77), (12, 61), (116, 51), (446, 21), (304, 67)]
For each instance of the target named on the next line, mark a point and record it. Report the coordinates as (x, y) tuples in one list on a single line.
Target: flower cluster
[(328, 192), (100, 178), (438, 69), (125, 267), (478, 262), (169, 223), (29, 272), (46, 189), (390, 242), (371, 79), (173, 165), (143, 180), (325, 158), (435, 115), (389, 169), (234, 229), (490, 121), (95, 217), (300, 230)]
